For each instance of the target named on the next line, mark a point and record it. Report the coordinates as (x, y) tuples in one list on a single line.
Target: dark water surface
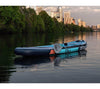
[(77, 67)]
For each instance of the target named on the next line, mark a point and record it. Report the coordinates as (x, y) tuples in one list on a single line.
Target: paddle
[(57, 48)]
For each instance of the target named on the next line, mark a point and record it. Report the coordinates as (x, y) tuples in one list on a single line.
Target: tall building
[(81, 23), (67, 18), (87, 26), (98, 26), (94, 27), (61, 14), (38, 9), (58, 14), (54, 14), (73, 21)]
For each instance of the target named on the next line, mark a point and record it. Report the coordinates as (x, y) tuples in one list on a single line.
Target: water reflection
[(63, 57), (5, 73), (30, 61), (9, 42)]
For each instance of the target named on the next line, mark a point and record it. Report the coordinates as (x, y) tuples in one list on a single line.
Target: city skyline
[(89, 14)]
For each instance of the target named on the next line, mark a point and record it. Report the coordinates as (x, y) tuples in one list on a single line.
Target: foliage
[(21, 19), (11, 19), (40, 25), (59, 26), (48, 21)]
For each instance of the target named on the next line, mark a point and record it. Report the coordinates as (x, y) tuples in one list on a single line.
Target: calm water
[(83, 67)]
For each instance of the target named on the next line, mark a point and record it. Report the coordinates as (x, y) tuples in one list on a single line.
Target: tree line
[(19, 19)]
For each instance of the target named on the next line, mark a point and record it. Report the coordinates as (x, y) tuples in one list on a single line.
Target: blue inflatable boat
[(52, 49)]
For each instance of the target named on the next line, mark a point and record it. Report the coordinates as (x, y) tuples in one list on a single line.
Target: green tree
[(75, 28), (22, 19), (82, 29), (12, 19), (40, 27), (49, 22), (59, 26), (30, 19)]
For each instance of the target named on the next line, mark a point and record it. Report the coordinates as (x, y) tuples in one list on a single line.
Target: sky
[(89, 14)]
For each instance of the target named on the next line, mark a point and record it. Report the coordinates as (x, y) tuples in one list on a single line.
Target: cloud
[(87, 9), (50, 8)]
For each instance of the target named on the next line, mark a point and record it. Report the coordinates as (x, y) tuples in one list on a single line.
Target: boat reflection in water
[(28, 61), (31, 61), (61, 57)]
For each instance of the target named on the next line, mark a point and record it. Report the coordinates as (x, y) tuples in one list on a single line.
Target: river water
[(77, 67)]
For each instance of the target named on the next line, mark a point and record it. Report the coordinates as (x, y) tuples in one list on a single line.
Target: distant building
[(27, 6), (87, 26), (49, 13), (38, 9), (67, 18), (94, 27), (61, 14), (73, 21), (57, 14), (32, 7), (98, 26), (81, 23), (54, 14)]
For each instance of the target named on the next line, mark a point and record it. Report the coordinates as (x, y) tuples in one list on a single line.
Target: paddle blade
[(57, 48)]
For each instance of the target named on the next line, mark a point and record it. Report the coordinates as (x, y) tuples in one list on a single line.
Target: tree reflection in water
[(30, 61)]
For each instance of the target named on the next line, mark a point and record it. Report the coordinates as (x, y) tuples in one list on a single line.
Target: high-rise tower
[(67, 18), (61, 14), (81, 23)]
